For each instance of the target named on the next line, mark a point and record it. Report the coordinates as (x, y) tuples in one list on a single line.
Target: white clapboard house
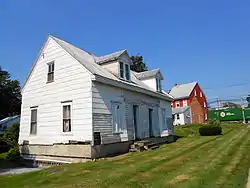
[(78, 106)]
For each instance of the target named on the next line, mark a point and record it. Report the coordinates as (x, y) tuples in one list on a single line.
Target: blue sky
[(204, 41)]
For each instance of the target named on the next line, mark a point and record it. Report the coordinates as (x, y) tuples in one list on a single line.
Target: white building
[(182, 115), (78, 106)]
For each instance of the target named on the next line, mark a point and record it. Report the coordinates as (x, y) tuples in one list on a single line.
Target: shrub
[(12, 134), (210, 130), (13, 153), (4, 146)]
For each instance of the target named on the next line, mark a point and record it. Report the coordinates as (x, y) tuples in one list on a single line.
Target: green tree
[(137, 64), (248, 100), (10, 95)]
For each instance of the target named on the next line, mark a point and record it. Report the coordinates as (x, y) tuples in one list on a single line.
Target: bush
[(210, 130), (12, 134), (4, 146), (13, 153)]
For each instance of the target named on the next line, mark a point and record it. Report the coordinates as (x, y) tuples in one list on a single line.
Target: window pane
[(33, 115), (52, 67), (127, 72), (66, 125), (121, 70), (66, 112), (157, 84)]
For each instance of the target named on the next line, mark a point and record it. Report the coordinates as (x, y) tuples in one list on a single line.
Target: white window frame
[(201, 94), (205, 105), (195, 93), (121, 69), (158, 85), (177, 102), (51, 71), (177, 116), (124, 72), (31, 109), (71, 116), (184, 103), (117, 128), (205, 116)]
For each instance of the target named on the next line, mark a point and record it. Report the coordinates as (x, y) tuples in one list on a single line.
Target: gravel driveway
[(19, 170)]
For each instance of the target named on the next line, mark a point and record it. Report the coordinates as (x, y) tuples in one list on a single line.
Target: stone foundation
[(73, 153)]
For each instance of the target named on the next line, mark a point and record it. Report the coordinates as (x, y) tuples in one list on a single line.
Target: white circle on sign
[(222, 114)]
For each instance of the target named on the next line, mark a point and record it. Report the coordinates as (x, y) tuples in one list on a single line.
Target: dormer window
[(121, 69), (158, 85), (124, 71), (127, 71), (51, 67)]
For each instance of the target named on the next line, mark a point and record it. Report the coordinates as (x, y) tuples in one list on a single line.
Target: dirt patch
[(179, 179), (159, 157), (86, 171), (145, 176)]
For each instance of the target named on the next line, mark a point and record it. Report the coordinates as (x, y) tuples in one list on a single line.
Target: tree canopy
[(10, 95), (137, 64)]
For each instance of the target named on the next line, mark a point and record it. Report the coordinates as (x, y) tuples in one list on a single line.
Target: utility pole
[(243, 110)]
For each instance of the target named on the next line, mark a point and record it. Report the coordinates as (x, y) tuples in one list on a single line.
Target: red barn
[(191, 95)]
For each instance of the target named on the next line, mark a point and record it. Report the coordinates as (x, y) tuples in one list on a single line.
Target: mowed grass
[(191, 162)]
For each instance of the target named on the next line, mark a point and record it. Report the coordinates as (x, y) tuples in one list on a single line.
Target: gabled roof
[(110, 57), (147, 74), (91, 63), (183, 90), (180, 110)]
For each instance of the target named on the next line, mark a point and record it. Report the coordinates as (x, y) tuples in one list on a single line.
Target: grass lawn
[(193, 161)]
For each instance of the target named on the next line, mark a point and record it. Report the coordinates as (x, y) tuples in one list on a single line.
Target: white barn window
[(127, 71)]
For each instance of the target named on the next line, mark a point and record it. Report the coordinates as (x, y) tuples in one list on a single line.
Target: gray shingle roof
[(147, 74), (180, 110), (110, 57), (88, 60), (183, 90)]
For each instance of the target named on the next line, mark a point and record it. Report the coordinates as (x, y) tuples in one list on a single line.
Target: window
[(51, 68), (116, 117), (127, 70), (195, 94), (177, 104), (184, 102), (200, 94), (158, 84), (67, 118), (163, 115), (205, 105), (177, 116), (33, 122), (121, 69), (205, 116)]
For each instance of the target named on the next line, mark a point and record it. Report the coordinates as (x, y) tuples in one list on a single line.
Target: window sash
[(66, 118), (33, 122), (121, 70), (50, 76), (127, 71), (117, 118), (51, 67)]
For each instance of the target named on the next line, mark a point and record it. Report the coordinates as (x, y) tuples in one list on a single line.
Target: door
[(150, 113), (135, 120), (116, 113)]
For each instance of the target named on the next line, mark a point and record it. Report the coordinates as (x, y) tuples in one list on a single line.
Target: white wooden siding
[(168, 113), (112, 67), (71, 82), (103, 95)]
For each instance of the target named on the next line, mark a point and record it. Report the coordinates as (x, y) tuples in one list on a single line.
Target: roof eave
[(131, 87)]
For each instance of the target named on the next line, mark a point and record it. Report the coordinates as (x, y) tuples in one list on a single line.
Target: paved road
[(17, 170)]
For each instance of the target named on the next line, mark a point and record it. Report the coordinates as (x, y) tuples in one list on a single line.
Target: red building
[(191, 95)]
